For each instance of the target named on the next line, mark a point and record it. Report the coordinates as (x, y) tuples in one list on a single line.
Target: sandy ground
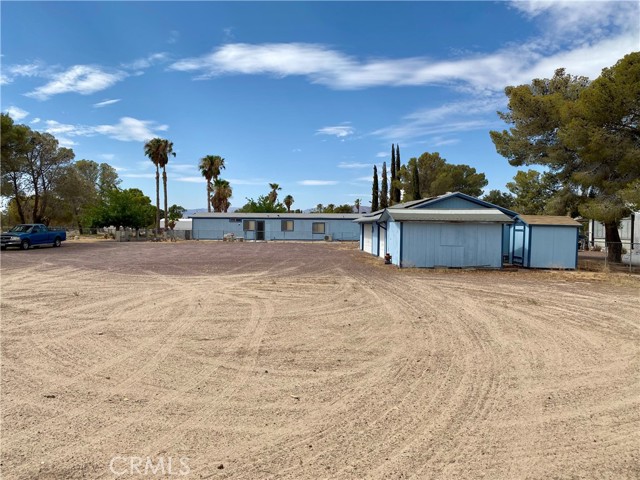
[(310, 361)]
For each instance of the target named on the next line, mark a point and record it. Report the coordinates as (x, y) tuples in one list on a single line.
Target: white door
[(382, 235), (366, 244)]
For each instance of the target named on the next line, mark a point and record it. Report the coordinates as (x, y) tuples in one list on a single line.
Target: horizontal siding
[(216, 229), (452, 245)]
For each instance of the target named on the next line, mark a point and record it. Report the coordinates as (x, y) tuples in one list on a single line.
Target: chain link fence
[(611, 257)]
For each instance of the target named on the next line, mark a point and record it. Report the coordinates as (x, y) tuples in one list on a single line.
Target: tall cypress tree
[(374, 190), (392, 193), (397, 197), (415, 182), (384, 189)]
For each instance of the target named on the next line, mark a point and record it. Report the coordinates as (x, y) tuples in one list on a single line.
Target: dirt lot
[(308, 361)]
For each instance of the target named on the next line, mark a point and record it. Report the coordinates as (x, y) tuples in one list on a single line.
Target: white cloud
[(139, 175), (104, 103), (583, 37), (194, 179), (35, 120), (127, 130), (250, 181), (131, 130), (146, 62), (107, 156), (567, 17), (10, 72), (439, 141), (174, 36), (445, 119), (339, 131), (317, 183), (353, 165), (16, 113), (182, 167), (382, 154), (82, 79), (364, 179)]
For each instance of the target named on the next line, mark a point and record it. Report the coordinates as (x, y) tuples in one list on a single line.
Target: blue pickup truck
[(30, 235)]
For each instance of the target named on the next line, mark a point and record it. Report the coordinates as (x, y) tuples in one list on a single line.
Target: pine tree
[(384, 189), (397, 197), (374, 192), (415, 182), (392, 192)]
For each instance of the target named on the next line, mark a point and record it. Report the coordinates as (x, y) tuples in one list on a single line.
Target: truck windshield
[(21, 228)]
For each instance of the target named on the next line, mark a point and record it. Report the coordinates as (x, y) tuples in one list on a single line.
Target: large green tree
[(127, 208), (585, 134), (32, 166), (437, 177), (500, 198), (262, 205)]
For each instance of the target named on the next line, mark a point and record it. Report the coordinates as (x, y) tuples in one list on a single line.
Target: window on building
[(249, 225), (317, 227), (287, 225)]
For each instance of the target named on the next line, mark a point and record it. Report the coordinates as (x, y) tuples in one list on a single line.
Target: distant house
[(275, 226), (629, 232)]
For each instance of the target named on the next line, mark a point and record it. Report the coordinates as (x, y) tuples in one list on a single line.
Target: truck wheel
[(25, 245), (57, 242)]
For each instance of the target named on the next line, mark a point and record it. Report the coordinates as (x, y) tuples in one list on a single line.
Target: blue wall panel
[(393, 241), (552, 246), (217, 228), (451, 245)]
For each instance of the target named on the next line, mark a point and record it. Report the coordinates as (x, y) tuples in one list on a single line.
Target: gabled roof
[(370, 218), (492, 215), (549, 220), (417, 204), (469, 198)]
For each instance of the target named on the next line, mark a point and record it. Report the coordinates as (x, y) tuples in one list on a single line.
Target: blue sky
[(308, 95)]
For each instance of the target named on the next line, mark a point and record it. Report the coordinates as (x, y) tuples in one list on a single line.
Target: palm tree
[(154, 150), (222, 192), (273, 194), (288, 201), (357, 204), (210, 167), (167, 149)]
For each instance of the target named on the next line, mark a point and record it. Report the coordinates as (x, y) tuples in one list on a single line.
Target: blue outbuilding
[(544, 241), (451, 230)]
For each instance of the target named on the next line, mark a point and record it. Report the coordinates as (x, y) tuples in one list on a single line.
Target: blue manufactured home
[(275, 226), (544, 241), (452, 230)]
